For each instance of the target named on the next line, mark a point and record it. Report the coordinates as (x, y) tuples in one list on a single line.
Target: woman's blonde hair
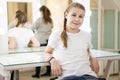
[(64, 36)]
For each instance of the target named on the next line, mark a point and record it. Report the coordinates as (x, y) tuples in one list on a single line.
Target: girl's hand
[(94, 64), (55, 68)]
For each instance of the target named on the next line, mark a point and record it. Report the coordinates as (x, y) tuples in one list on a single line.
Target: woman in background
[(42, 28)]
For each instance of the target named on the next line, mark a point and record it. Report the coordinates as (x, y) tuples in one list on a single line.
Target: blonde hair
[(64, 36)]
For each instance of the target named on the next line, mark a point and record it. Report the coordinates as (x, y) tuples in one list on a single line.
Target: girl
[(68, 50)]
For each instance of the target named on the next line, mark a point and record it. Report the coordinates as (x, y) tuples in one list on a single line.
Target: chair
[(101, 79), (53, 78)]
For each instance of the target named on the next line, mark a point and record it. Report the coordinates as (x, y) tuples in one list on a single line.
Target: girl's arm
[(55, 66), (12, 43), (35, 42), (93, 62)]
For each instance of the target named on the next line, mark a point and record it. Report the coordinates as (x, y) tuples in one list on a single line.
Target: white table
[(21, 58), (11, 62), (18, 61), (109, 56)]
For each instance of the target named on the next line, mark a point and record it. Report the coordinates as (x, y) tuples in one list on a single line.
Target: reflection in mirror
[(25, 7)]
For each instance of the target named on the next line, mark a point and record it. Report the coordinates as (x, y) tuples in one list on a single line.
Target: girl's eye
[(73, 15), (81, 16)]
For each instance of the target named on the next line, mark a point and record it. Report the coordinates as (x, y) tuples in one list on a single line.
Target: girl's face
[(75, 18), (41, 14), (16, 21)]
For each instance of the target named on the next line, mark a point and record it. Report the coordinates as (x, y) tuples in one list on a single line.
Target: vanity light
[(2, 31), (1, 10), (3, 41)]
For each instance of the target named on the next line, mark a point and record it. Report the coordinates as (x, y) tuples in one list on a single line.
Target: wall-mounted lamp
[(1, 10), (2, 31), (3, 41)]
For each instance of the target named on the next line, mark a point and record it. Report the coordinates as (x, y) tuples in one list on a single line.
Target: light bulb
[(1, 10), (2, 31)]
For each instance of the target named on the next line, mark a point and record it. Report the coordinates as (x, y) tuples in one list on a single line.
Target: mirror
[(25, 7)]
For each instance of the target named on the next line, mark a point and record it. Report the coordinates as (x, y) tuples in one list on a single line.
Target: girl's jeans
[(84, 77)]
